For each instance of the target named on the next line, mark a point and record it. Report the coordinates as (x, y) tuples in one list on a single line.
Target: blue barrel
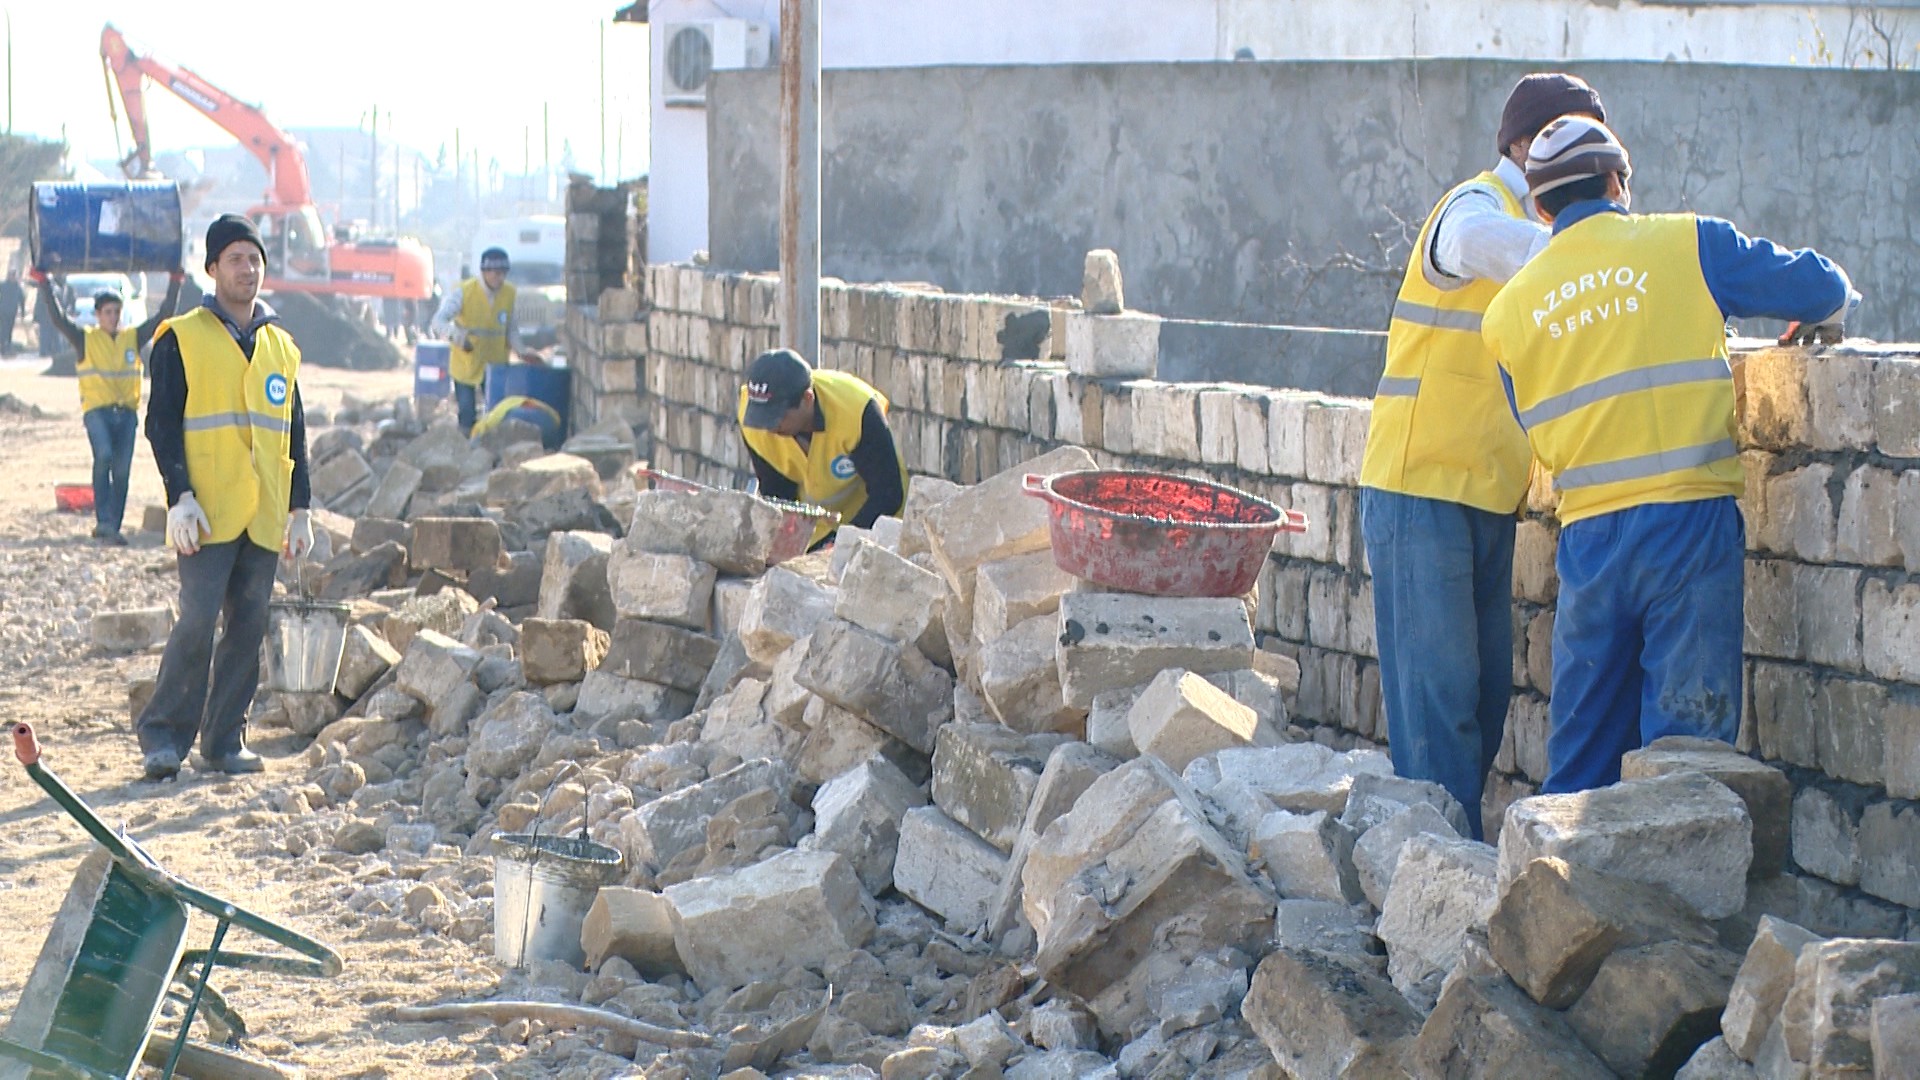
[(432, 375), (551, 385), (127, 227)]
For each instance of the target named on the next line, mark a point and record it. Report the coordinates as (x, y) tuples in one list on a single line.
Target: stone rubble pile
[(1020, 824)]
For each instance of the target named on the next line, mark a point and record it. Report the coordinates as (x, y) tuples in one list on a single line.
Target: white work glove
[(461, 339), (299, 536), (186, 524), (1831, 332)]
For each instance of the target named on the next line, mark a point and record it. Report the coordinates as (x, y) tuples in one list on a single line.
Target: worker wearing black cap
[(821, 437), (229, 436), (478, 320)]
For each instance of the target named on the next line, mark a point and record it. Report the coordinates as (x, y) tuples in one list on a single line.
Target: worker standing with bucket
[(478, 320), (229, 436)]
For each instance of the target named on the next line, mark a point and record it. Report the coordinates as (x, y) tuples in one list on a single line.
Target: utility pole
[(373, 170), (603, 102), (800, 177), (116, 130), (546, 155)]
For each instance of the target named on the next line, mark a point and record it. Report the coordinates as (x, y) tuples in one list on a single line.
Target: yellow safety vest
[(238, 426), (825, 470), (1618, 356), (498, 414), (1441, 426), (110, 370), (485, 322)]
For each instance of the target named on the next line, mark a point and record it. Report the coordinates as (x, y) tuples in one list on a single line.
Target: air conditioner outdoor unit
[(695, 50)]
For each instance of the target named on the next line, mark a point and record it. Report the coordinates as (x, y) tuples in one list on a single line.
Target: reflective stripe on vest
[(485, 321), (824, 470), (1617, 354), (237, 426), (1441, 426), (110, 371)]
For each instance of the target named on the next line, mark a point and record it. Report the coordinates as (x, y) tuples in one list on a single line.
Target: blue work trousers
[(110, 431), (1443, 621), (464, 404), (1647, 637)]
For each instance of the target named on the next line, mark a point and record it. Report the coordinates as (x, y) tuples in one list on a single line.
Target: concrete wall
[(1289, 192), (1831, 443)]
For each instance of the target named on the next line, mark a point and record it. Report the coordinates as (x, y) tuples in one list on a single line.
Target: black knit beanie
[(1541, 98), (227, 230)]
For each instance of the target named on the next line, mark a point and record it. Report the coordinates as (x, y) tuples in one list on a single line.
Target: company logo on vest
[(842, 467), (277, 389)]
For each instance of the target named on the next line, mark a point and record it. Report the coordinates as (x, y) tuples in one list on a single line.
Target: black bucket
[(128, 226)]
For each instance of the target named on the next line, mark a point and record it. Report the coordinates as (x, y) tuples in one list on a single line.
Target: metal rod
[(800, 177), (193, 1006)]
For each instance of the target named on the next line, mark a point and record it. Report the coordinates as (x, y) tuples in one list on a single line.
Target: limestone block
[(730, 530), (1109, 641), (606, 697), (1890, 630), (1260, 692), (634, 925), (1442, 890), (1020, 679), (560, 650), (782, 608), (1287, 434), (364, 658), (1181, 716), (1900, 722), (674, 589), (433, 666), (884, 593), (508, 736), (1374, 798), (1483, 1029), (1800, 519), (540, 476), (730, 605), (1324, 926), (1166, 420), (1336, 438), (838, 740), (1107, 722), (1714, 1061), (1650, 1007), (1890, 852), (1895, 1031), (1376, 854), (1840, 402), (1011, 591), (984, 777), (132, 631), (462, 545), (1907, 519), (371, 532), (1765, 790), (1685, 831), (1113, 346), (1070, 769), (993, 520), (1851, 734), (925, 493), (858, 814), (669, 655), (394, 491), (1869, 509), (1301, 777), (657, 831), (1307, 856), (515, 586), (573, 579), (797, 909), (1321, 1018), (335, 478), (1101, 290), (1827, 614), (946, 869), (1828, 1012), (347, 576), (1760, 986), (446, 611), (1557, 921), (1896, 421), (1218, 428), (887, 684)]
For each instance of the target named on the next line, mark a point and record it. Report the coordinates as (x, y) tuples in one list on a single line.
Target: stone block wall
[(1832, 446)]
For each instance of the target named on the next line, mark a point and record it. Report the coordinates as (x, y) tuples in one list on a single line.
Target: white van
[(536, 247)]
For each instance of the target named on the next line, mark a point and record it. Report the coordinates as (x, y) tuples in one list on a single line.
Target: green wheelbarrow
[(117, 953)]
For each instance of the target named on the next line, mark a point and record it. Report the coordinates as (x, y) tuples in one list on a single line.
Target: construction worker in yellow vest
[(1446, 468), (1612, 344), (109, 373), (477, 319), (821, 438), (229, 435)]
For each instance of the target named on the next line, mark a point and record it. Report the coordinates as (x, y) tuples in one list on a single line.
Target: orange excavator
[(302, 256)]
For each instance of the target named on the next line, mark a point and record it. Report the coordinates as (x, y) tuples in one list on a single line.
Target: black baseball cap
[(494, 259), (775, 383)]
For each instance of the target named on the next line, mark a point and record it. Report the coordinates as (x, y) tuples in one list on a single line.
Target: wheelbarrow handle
[(25, 746), (1035, 484)]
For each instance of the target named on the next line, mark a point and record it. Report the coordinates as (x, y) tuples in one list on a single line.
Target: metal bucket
[(304, 641), (542, 888)]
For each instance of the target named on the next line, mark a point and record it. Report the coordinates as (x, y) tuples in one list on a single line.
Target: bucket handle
[(1292, 521), (1035, 484)]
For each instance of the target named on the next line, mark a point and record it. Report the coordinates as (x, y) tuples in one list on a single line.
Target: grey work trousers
[(206, 688)]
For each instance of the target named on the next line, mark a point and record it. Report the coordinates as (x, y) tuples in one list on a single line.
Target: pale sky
[(482, 66)]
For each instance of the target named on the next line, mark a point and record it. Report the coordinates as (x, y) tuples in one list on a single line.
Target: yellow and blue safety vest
[(824, 471), (110, 370), (485, 321)]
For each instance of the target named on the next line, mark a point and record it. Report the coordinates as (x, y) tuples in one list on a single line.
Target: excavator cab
[(296, 243)]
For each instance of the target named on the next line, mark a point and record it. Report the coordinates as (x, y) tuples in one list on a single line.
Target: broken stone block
[(364, 658), (517, 585), (1199, 993), (462, 545), (993, 520), (433, 667), (1714, 1061), (345, 577), (1120, 346), (1011, 591), (669, 655), (1180, 716), (658, 831), (1829, 1011), (796, 909), (888, 595), (132, 631), (573, 579), (371, 532), (1063, 1025), (1107, 721), (671, 589), (560, 650), (887, 684), (946, 869), (1323, 926), (309, 714), (635, 925), (1109, 641), (1101, 292), (394, 491), (336, 477), (1307, 857), (1896, 1035), (1321, 1018), (984, 777), (1484, 1029), (507, 737), (1760, 987), (1766, 790), (1300, 777), (606, 697), (1650, 1007), (540, 476), (1443, 889), (1376, 853), (858, 814), (1071, 768), (1683, 830), (1262, 693), (445, 611), (1374, 798), (837, 740), (1020, 680), (1557, 921), (782, 608), (731, 530), (562, 511)]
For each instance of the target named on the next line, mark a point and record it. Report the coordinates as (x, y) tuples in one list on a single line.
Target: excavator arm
[(287, 184)]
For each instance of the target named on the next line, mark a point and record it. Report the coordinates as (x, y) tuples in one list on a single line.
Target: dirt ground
[(225, 834)]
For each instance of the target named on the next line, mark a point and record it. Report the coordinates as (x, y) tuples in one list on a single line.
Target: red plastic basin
[(73, 498), (1158, 533)]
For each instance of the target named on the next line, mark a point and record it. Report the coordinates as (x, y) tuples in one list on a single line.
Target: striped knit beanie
[(1574, 148)]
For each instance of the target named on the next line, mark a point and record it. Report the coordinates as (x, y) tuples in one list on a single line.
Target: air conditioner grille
[(690, 59)]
